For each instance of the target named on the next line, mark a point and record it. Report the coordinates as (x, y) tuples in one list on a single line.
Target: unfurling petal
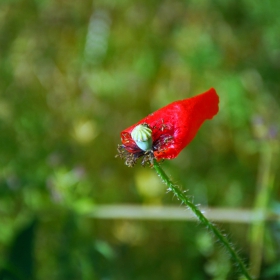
[(175, 125)]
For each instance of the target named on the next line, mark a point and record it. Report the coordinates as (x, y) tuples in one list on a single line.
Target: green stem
[(180, 195)]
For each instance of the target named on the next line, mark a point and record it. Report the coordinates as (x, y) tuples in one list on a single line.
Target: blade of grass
[(265, 183)]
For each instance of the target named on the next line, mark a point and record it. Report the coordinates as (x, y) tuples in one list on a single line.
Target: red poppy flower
[(164, 133)]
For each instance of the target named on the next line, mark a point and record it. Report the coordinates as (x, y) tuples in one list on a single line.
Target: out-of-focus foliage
[(73, 74)]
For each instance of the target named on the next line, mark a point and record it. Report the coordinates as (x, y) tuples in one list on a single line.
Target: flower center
[(142, 135)]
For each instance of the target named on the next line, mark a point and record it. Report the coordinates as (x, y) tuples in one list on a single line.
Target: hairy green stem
[(222, 238)]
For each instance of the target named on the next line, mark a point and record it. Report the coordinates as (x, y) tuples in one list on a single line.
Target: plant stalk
[(221, 237)]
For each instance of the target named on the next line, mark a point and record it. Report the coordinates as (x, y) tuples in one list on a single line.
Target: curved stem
[(222, 238)]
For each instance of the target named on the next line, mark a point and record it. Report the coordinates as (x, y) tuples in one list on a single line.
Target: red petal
[(184, 117)]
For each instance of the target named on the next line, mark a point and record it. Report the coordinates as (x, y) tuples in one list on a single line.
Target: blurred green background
[(73, 74)]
